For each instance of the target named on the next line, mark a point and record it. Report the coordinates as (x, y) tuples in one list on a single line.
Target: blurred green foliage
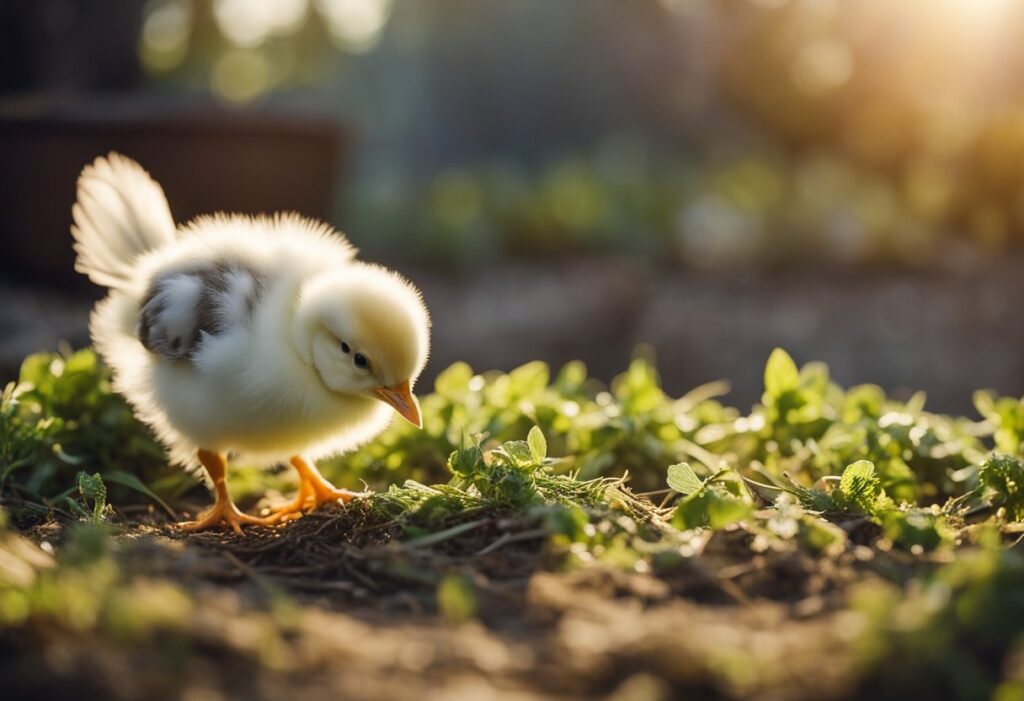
[(955, 634), (62, 422), (1006, 416), (82, 589), (742, 133), (756, 210)]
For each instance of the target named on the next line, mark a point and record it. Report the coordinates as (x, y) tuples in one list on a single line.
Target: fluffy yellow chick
[(259, 337)]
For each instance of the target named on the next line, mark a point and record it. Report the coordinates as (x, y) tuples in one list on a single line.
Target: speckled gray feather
[(183, 307)]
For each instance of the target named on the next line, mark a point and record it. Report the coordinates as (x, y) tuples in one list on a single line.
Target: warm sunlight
[(990, 12), (511, 349)]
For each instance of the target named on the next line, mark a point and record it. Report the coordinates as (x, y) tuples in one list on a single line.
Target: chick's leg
[(314, 490), (224, 511), (293, 509), (323, 491)]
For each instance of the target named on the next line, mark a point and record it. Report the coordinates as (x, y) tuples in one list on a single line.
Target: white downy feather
[(120, 214)]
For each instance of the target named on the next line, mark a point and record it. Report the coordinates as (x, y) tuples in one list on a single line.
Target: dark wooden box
[(207, 158)]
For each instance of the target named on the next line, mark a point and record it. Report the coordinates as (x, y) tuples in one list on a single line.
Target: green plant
[(514, 477), (714, 502), (1003, 479), (601, 433), (62, 419)]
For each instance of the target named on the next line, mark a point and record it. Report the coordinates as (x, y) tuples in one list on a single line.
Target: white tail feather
[(120, 214)]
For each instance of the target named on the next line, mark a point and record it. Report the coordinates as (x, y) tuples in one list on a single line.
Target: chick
[(260, 337)]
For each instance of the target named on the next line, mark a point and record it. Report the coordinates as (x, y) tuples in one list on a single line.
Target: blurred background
[(844, 178)]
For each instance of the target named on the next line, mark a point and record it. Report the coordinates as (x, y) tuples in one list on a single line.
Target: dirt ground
[(325, 608)]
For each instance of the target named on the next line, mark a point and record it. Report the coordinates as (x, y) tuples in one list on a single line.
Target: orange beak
[(400, 397)]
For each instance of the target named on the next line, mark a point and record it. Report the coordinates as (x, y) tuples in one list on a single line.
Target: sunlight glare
[(248, 23), (979, 15), (355, 25)]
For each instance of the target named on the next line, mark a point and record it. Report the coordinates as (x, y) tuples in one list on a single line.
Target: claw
[(224, 513)]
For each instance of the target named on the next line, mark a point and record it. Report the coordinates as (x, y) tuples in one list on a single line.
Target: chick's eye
[(361, 361), (344, 347)]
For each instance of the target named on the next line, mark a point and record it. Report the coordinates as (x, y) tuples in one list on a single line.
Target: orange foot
[(223, 513), (314, 490), (224, 510)]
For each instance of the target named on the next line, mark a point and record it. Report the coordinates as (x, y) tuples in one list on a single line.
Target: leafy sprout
[(1003, 479)]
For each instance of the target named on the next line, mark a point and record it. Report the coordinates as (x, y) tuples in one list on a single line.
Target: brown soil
[(331, 606)]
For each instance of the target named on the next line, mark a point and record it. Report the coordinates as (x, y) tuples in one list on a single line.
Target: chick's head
[(365, 330)]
